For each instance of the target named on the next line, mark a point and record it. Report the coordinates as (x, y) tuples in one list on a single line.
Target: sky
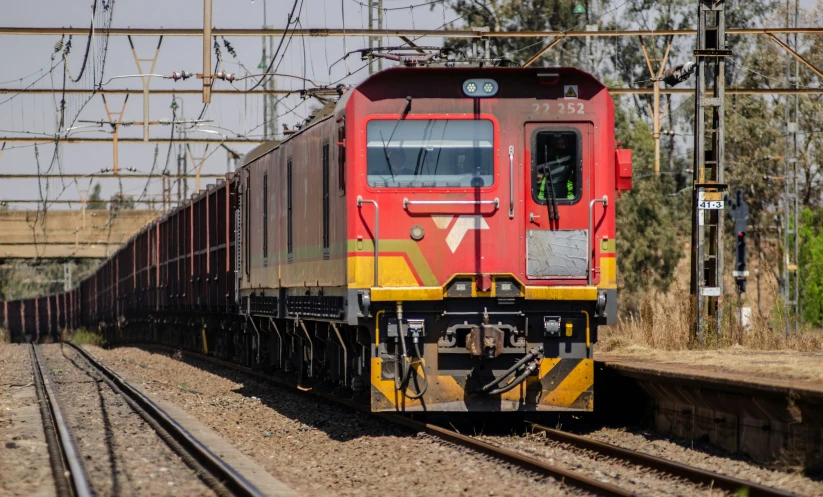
[(27, 58), (30, 55)]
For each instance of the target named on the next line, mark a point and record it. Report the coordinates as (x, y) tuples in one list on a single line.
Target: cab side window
[(556, 166)]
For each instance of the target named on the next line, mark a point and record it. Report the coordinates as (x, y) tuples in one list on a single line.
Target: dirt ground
[(797, 368)]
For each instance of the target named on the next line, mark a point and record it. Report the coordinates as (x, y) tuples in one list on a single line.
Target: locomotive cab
[(482, 254)]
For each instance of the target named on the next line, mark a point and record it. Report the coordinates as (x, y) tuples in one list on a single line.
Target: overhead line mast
[(790, 287), (709, 187)]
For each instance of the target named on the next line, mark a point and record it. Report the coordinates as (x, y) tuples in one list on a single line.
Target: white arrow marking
[(461, 227)]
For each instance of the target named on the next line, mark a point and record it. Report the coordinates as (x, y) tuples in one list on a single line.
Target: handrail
[(605, 202), (511, 181), (360, 202), (407, 202)]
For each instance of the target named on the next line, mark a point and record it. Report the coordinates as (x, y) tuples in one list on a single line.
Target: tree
[(519, 15), (96, 201), (121, 202), (647, 220), (810, 267)]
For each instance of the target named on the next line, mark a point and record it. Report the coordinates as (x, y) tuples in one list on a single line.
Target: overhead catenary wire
[(289, 22)]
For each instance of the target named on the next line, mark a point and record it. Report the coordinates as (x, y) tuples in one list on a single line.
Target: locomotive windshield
[(430, 153)]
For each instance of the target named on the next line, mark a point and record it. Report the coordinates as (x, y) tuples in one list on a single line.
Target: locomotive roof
[(396, 79)]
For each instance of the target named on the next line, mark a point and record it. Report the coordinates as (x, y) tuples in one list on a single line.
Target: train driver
[(561, 167), (399, 167)]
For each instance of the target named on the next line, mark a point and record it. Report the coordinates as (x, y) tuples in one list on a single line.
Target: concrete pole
[(207, 51)]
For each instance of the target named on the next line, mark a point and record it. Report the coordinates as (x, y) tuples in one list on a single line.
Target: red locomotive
[(437, 239)]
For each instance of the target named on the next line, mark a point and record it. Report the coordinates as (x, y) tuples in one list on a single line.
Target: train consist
[(436, 239)]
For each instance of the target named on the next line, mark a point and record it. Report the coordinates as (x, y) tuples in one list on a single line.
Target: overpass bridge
[(68, 234)]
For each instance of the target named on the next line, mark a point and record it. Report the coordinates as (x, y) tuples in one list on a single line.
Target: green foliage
[(121, 202), (647, 247), (96, 201), (23, 281), (83, 336), (811, 267), (519, 15)]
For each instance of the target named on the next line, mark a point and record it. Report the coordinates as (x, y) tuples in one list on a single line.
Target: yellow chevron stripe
[(578, 381), (408, 247)]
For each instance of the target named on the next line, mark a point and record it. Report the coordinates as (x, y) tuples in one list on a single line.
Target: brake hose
[(535, 352), (520, 379), (406, 372)]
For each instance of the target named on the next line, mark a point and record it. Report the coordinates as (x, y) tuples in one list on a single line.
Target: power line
[(614, 90), (29, 139), (100, 176), (410, 33)]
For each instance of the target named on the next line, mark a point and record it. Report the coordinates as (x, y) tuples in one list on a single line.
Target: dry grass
[(665, 323), (83, 336), (5, 336), (661, 333)]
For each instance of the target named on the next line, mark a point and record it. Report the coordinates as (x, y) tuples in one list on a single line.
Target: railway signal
[(739, 212)]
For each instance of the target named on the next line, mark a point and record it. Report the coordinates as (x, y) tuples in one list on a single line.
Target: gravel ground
[(123, 456), (314, 446), (24, 457)]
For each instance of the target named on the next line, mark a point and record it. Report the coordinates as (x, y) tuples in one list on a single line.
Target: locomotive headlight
[(480, 87)]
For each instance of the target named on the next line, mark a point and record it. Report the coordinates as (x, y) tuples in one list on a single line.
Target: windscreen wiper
[(553, 212), (406, 109)]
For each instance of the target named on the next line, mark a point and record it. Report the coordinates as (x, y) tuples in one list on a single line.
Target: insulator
[(180, 75), (58, 46), (225, 76), (229, 48), (164, 121)]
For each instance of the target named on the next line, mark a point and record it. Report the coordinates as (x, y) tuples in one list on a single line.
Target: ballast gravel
[(786, 477), (647, 482), (318, 447), (25, 470)]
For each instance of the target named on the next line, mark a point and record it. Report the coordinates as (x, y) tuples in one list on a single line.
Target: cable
[(386, 9), (32, 83), (88, 43), (282, 38)]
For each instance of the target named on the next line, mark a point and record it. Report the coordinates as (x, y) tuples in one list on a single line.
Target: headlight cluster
[(480, 88)]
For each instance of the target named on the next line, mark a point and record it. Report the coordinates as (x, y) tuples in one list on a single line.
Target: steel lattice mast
[(709, 186)]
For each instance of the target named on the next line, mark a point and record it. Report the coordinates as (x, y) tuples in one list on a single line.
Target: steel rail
[(66, 463), (534, 465), (409, 33), (695, 475), (691, 473), (215, 472)]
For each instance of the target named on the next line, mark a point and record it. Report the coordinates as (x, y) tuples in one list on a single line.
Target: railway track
[(690, 473), (66, 465), (70, 476), (568, 477)]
